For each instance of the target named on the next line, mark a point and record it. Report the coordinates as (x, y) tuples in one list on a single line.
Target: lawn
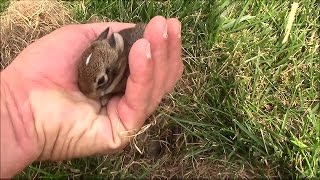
[(247, 106)]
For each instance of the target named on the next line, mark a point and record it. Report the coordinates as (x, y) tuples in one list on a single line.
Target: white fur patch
[(88, 59)]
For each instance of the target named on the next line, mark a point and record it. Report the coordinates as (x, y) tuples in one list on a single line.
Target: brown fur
[(105, 58)]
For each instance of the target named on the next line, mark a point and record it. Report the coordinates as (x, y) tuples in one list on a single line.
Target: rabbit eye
[(101, 80)]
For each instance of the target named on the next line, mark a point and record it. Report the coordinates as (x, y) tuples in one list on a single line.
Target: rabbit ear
[(116, 41), (104, 34)]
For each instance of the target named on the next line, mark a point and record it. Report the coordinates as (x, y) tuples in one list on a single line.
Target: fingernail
[(148, 51), (165, 32)]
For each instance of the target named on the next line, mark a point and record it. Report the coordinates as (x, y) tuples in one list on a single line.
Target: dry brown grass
[(25, 21)]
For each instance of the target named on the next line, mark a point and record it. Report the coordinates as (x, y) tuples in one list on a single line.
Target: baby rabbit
[(103, 68)]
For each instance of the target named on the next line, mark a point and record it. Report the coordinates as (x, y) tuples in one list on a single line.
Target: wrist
[(19, 146)]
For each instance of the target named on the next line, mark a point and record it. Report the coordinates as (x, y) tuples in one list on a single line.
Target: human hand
[(54, 120)]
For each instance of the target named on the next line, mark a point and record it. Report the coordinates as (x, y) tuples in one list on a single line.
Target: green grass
[(3, 5), (247, 105)]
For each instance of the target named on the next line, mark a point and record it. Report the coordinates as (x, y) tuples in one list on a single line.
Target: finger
[(174, 53), (156, 33), (132, 106)]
